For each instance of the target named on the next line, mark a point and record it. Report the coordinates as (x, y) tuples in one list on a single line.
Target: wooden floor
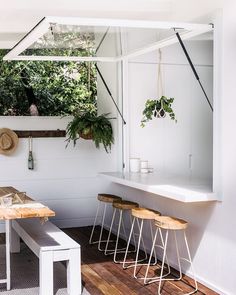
[(102, 276)]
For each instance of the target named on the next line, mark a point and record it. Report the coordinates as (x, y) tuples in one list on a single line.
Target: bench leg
[(74, 272), (8, 258), (14, 241), (46, 273)]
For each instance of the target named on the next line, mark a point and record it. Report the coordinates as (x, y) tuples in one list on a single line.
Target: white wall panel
[(56, 189), (72, 208), (65, 179), (168, 145)]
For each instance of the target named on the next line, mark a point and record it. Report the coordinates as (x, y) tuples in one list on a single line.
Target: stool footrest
[(185, 259), (159, 246), (103, 241), (138, 264), (119, 251)]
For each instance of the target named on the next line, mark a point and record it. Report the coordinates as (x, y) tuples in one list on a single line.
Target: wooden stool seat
[(145, 213), (108, 198), (125, 205), (171, 223)]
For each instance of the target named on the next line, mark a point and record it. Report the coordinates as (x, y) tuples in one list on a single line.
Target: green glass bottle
[(30, 156), (30, 161)]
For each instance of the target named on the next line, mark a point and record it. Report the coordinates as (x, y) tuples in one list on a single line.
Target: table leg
[(14, 241), (74, 272), (46, 273), (8, 259)]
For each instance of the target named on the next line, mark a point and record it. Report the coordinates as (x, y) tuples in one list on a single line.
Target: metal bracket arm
[(193, 68), (109, 92)]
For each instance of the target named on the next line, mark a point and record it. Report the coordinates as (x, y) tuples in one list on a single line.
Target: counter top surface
[(171, 187)]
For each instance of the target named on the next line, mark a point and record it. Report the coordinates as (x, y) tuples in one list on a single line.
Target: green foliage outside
[(59, 88), (51, 88)]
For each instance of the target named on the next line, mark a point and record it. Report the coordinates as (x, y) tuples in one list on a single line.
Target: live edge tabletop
[(25, 208)]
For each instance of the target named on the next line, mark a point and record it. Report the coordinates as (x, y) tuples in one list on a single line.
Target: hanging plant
[(89, 126), (161, 107), (158, 108)]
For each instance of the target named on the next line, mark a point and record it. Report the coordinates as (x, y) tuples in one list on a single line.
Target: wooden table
[(29, 209)]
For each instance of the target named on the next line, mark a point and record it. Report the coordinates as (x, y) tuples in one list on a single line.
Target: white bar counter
[(171, 187)]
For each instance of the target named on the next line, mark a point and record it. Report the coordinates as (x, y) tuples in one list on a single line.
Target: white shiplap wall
[(169, 146), (65, 179)]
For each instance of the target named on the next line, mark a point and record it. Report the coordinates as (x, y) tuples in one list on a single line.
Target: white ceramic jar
[(144, 164), (134, 165)]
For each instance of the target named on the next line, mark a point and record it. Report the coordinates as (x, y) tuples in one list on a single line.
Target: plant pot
[(91, 127), (86, 136)]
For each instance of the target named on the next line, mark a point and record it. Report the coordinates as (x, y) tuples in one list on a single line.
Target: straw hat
[(8, 141)]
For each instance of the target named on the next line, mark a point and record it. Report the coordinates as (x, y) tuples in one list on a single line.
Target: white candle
[(144, 164)]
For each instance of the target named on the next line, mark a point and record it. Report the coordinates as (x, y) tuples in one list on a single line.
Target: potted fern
[(158, 108), (89, 126)]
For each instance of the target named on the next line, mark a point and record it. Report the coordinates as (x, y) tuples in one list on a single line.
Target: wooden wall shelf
[(40, 133)]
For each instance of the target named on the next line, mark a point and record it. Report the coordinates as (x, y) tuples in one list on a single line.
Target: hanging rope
[(159, 76), (160, 113)]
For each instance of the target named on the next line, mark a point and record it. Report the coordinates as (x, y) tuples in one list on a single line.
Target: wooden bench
[(50, 244)]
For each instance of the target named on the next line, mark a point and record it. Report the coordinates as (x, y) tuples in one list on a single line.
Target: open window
[(67, 32), (125, 52)]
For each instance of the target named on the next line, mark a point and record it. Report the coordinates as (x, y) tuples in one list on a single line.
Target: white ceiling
[(19, 16)]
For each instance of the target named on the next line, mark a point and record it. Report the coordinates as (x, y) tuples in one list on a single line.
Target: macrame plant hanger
[(160, 113), (159, 77)]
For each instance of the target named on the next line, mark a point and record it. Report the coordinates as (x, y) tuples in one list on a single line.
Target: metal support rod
[(101, 41), (28, 33), (193, 69), (109, 92)]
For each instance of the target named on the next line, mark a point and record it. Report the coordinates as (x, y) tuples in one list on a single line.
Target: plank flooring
[(102, 276)]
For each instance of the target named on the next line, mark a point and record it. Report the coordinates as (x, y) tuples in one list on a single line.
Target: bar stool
[(122, 206), (141, 215), (105, 199), (172, 224)]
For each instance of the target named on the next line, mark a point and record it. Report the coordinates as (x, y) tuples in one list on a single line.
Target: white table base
[(8, 259)]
